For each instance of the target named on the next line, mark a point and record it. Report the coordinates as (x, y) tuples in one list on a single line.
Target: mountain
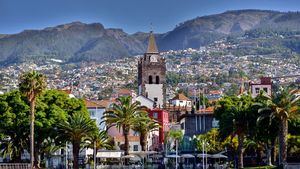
[(77, 41), (70, 42), (204, 30)]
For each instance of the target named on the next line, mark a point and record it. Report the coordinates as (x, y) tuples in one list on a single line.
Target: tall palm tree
[(283, 105), (76, 130), (235, 116), (32, 84), (122, 115), (144, 125)]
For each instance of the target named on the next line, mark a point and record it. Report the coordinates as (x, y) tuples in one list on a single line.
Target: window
[(182, 126), (155, 115), (157, 79), (266, 89), (150, 79), (257, 90), (135, 147), (92, 113)]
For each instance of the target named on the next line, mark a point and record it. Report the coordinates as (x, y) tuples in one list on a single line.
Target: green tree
[(77, 129), (122, 115), (14, 122), (52, 107), (32, 84), (176, 135), (144, 125), (99, 140), (212, 138), (235, 118), (283, 105), (266, 130)]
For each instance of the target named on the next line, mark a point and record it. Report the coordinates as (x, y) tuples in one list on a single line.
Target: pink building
[(265, 85)]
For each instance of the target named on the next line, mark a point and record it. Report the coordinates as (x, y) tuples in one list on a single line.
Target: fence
[(14, 166), (292, 166)]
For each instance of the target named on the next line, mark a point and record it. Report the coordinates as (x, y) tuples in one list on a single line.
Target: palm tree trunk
[(126, 132), (32, 109), (283, 130), (76, 147), (241, 150), (36, 160), (143, 141), (273, 151)]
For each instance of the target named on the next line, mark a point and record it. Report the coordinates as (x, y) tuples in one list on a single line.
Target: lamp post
[(203, 154), (66, 156), (176, 153)]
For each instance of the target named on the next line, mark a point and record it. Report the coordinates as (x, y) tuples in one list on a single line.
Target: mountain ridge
[(77, 41)]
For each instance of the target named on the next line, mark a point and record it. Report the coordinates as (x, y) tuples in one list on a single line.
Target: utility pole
[(95, 154), (66, 156)]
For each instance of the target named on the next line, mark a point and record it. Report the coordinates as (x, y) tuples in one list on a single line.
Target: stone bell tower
[(152, 74)]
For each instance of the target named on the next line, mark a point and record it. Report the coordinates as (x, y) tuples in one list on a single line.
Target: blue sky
[(130, 15)]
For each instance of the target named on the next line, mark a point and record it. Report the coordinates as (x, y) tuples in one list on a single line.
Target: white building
[(180, 100)]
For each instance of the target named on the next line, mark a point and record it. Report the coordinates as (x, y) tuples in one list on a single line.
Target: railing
[(292, 166), (14, 165)]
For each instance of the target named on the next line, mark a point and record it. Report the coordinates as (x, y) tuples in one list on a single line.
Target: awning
[(109, 154)]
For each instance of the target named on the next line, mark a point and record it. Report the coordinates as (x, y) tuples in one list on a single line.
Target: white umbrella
[(128, 156), (173, 156), (187, 156), (218, 156), (204, 155)]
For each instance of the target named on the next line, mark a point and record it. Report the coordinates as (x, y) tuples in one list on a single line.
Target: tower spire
[(152, 48)]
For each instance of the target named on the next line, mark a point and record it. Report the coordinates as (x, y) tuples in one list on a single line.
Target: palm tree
[(76, 130), (99, 140), (283, 105), (144, 125), (235, 116), (32, 84), (123, 115), (177, 135)]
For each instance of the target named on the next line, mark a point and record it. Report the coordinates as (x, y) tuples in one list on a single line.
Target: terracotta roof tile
[(180, 96)]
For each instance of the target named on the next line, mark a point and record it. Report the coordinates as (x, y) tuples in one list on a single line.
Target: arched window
[(150, 79), (157, 79)]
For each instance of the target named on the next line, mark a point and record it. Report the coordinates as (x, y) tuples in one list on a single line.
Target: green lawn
[(261, 167)]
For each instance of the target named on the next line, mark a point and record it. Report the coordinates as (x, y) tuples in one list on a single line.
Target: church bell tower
[(152, 74)]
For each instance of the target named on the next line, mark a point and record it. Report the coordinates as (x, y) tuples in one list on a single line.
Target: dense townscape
[(216, 92), (190, 68)]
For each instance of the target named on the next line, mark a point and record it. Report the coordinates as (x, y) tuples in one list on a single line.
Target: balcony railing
[(14, 165)]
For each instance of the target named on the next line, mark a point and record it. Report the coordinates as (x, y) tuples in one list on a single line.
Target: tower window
[(150, 79), (157, 79)]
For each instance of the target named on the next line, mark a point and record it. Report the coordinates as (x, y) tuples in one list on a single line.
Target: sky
[(130, 15)]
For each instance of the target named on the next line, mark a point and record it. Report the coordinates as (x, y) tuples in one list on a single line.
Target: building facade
[(162, 117), (197, 123), (265, 85)]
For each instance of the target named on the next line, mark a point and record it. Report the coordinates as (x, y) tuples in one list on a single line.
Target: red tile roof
[(180, 96)]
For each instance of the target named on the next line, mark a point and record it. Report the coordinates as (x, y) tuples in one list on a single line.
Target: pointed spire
[(152, 48)]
